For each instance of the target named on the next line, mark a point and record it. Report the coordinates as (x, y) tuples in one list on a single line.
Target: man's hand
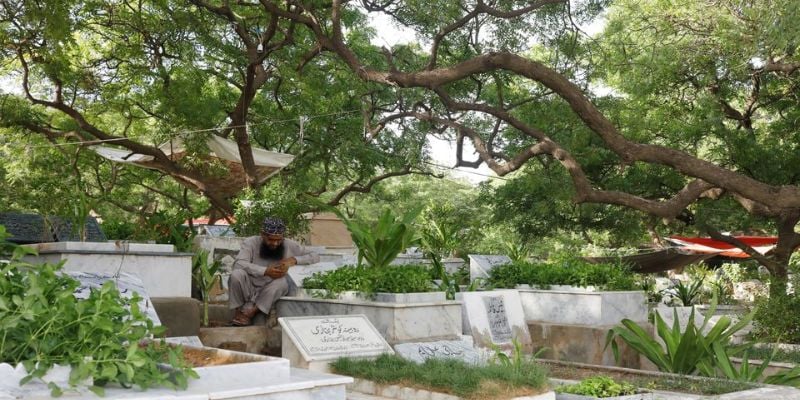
[(278, 270)]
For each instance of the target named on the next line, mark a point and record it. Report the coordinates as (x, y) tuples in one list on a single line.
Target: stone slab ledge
[(407, 393)]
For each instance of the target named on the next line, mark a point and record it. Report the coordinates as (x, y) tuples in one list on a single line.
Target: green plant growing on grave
[(599, 386), (684, 352), (435, 239), (394, 279), (444, 375), (516, 250), (105, 338), (689, 293), (205, 274), (379, 243), (517, 360), (606, 276)]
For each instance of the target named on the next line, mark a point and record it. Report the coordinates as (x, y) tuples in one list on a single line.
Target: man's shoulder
[(251, 240), (292, 243)]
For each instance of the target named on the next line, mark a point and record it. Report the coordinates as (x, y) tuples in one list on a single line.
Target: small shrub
[(571, 272), (396, 279), (776, 319), (599, 386)]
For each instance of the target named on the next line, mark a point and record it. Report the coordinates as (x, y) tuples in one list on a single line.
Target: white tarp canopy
[(220, 147)]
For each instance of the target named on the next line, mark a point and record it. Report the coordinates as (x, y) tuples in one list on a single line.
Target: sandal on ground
[(244, 318)]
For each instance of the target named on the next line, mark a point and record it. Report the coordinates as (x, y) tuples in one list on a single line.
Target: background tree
[(477, 56), (137, 74)]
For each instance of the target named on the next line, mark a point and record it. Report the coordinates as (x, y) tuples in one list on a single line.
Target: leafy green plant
[(451, 376), (395, 279), (205, 274), (777, 319), (517, 360), (599, 386), (684, 352), (572, 272), (723, 291), (105, 337), (687, 294), (379, 244), (517, 251)]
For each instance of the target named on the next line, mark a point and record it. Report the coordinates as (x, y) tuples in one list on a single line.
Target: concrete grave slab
[(495, 318), (126, 283), (312, 342)]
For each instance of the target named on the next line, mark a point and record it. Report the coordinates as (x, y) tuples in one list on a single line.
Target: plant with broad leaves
[(687, 294), (379, 244), (104, 338), (205, 274)]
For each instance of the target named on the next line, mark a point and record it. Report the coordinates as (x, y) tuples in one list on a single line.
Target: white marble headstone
[(480, 265), (300, 272), (126, 283), (444, 349), (495, 318), (310, 342)]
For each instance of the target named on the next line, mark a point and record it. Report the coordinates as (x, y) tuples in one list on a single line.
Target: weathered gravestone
[(495, 318), (312, 342), (480, 265), (127, 284), (444, 349)]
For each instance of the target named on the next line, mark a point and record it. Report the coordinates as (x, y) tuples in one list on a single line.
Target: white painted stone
[(496, 318), (117, 246), (127, 284), (583, 307), (163, 274), (309, 342), (419, 352), (193, 341), (412, 322), (480, 265), (248, 381)]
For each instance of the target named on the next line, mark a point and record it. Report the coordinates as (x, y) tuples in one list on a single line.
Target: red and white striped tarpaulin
[(698, 245)]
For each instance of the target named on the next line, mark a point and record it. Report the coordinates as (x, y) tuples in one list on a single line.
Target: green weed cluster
[(451, 376), (105, 338), (574, 273), (395, 279)]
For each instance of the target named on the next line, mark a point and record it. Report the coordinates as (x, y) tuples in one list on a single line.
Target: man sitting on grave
[(259, 278)]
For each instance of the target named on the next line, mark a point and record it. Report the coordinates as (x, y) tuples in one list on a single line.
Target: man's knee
[(280, 285), (238, 276)]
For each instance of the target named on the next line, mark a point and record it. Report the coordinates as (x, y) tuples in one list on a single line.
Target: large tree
[(135, 74), (739, 56)]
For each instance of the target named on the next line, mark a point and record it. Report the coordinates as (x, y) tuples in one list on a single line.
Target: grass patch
[(761, 353), (448, 376)]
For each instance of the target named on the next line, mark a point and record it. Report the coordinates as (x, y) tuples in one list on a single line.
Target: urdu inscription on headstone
[(499, 327), (444, 349), (495, 318), (307, 340)]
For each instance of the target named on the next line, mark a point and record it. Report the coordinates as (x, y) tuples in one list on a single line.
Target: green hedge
[(396, 279), (574, 273)]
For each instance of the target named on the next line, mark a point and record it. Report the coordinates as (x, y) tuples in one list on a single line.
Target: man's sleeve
[(304, 256), (244, 260)]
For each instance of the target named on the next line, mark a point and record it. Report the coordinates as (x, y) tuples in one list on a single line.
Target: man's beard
[(272, 254)]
